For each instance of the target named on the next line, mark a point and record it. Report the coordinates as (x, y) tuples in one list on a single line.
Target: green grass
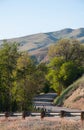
[(67, 92)]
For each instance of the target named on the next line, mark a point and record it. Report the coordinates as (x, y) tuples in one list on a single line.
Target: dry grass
[(35, 123), (76, 100), (73, 96)]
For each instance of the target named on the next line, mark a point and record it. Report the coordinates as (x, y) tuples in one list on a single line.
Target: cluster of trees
[(66, 63), (20, 79)]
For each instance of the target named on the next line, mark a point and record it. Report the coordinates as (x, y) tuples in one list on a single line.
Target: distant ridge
[(37, 44)]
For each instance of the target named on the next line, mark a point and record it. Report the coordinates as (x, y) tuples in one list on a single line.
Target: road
[(46, 100)]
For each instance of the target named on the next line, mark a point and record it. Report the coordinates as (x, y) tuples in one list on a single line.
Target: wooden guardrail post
[(6, 115), (82, 118), (82, 115), (24, 114), (62, 113), (43, 113)]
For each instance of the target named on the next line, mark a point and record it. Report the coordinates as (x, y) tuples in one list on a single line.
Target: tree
[(66, 63), (25, 84), (20, 79), (53, 73), (30, 80), (70, 50), (69, 72), (42, 84), (8, 59)]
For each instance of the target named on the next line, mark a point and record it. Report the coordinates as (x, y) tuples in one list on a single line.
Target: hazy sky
[(24, 17)]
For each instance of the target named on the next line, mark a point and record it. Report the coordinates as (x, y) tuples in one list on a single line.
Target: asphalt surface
[(46, 101)]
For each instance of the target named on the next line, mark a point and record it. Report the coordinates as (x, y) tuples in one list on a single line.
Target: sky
[(25, 17)]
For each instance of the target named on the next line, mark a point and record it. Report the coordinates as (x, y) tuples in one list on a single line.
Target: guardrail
[(61, 114)]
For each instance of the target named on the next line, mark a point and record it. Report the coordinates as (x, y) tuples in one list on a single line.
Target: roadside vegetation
[(59, 101), (21, 78), (66, 64)]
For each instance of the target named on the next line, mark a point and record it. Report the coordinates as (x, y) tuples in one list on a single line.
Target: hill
[(37, 44), (73, 96), (76, 99)]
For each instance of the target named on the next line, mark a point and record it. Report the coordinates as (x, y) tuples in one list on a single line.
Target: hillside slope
[(37, 44), (76, 99), (73, 96)]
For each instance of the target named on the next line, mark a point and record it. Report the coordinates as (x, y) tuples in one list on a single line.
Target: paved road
[(46, 100)]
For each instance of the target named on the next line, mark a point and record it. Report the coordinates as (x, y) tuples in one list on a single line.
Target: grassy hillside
[(37, 44), (73, 96)]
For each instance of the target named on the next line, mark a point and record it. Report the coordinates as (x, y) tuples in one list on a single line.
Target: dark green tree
[(8, 60)]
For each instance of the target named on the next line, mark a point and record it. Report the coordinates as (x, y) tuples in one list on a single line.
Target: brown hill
[(73, 96), (37, 44), (76, 99)]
